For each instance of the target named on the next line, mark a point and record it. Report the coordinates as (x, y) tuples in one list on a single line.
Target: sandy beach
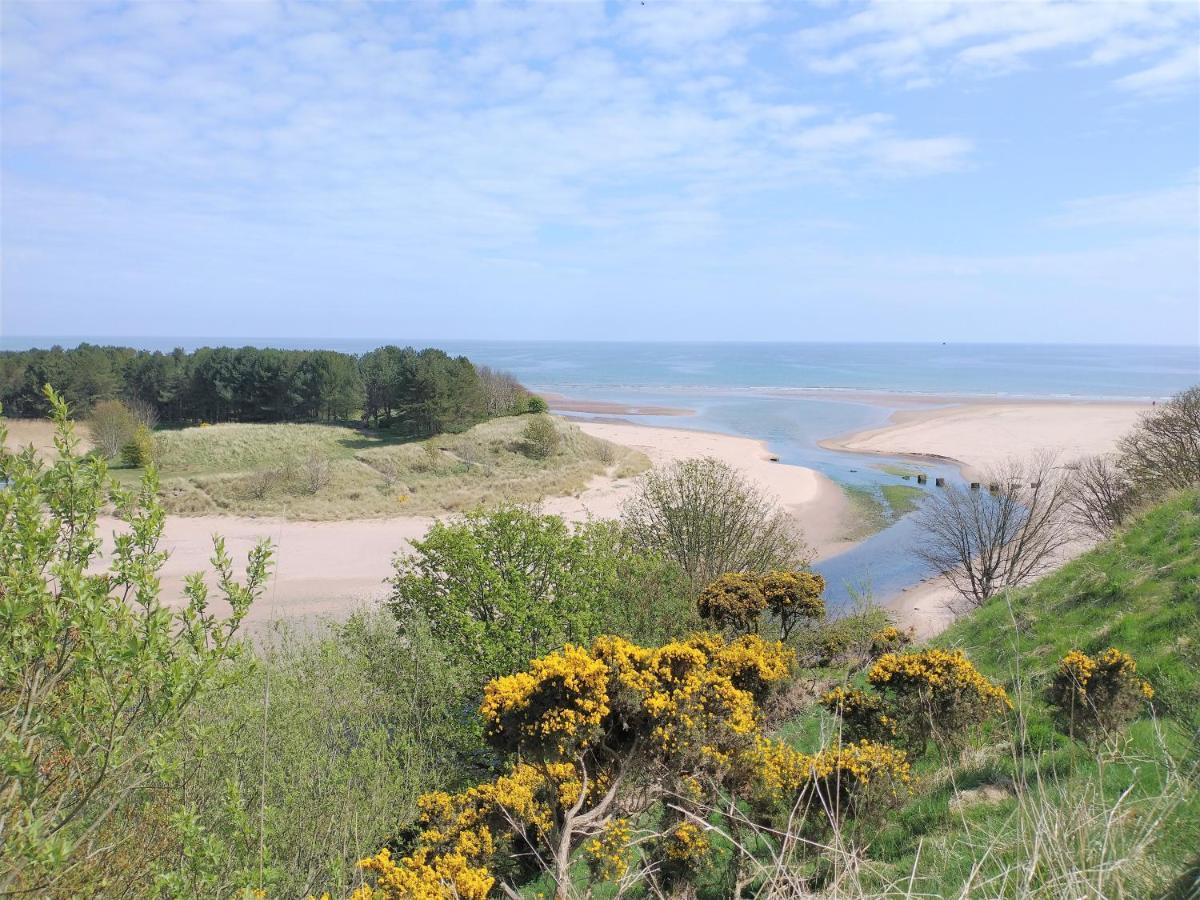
[(979, 435), (328, 568)]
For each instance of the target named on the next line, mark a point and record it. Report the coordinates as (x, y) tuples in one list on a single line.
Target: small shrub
[(313, 474), (138, 451), (258, 485), (863, 715), (889, 640), (1095, 696), (111, 426), (845, 641), (536, 405), (540, 439), (936, 694), (793, 597), (858, 780), (733, 601)]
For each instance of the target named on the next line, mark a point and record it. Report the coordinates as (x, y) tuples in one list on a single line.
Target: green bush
[(540, 439), (536, 405), (138, 451), (312, 758), (500, 588), (96, 673)]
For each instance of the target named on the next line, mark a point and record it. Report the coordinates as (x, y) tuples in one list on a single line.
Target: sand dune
[(980, 435), (328, 568)]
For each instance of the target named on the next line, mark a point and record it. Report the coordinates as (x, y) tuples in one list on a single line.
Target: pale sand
[(984, 434), (331, 568), (978, 436)]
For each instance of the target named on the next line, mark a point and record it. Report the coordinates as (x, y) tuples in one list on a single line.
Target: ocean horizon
[(623, 369)]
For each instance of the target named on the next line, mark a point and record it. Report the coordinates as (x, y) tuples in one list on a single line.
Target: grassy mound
[(1030, 812), (335, 472)]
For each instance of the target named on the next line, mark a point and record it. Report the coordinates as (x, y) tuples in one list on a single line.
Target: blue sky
[(893, 171)]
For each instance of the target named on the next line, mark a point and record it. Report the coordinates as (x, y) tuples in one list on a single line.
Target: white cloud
[(918, 43)]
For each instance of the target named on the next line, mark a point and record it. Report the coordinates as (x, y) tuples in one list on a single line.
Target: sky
[(896, 171)]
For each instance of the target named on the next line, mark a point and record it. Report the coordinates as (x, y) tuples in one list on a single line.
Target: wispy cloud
[(921, 43)]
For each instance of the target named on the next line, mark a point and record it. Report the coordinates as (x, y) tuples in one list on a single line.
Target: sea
[(791, 395)]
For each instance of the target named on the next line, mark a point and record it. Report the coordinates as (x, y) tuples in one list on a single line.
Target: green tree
[(502, 587), (701, 514), (110, 426), (95, 672)]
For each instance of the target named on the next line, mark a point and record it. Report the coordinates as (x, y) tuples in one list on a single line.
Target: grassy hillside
[(335, 472), (1030, 812)]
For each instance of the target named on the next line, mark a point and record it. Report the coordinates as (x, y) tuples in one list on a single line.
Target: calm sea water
[(751, 390)]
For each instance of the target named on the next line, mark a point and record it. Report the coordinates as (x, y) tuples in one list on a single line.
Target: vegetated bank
[(1043, 747)]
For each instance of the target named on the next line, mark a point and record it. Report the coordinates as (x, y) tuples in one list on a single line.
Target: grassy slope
[(223, 469), (1139, 592)]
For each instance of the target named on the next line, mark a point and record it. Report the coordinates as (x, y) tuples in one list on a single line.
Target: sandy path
[(981, 435), (329, 568)]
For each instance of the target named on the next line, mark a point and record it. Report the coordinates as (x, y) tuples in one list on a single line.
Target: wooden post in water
[(940, 482), (921, 479), (974, 485)]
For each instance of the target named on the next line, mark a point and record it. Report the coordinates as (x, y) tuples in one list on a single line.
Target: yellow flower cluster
[(416, 877), (563, 697), (1080, 669), (732, 601), (940, 671), (862, 763), (608, 852), (686, 845), (798, 593), (889, 640)]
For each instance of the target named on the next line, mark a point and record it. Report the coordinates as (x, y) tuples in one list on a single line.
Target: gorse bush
[(936, 694), (863, 715), (1096, 696), (734, 601), (596, 736), (890, 640), (793, 598)]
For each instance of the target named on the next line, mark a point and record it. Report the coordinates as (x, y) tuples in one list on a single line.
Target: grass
[(325, 472), (1030, 812), (874, 509), (898, 471)]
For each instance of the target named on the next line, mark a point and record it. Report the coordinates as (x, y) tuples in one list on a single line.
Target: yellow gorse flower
[(941, 670)]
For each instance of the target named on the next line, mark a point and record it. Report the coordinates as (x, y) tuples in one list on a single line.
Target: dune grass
[(326, 472)]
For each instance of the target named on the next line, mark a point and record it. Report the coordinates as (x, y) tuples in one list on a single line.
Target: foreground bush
[(863, 715), (96, 674), (1096, 696), (596, 737), (311, 759), (936, 694)]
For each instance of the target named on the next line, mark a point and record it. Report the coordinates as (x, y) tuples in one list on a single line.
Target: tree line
[(420, 392)]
